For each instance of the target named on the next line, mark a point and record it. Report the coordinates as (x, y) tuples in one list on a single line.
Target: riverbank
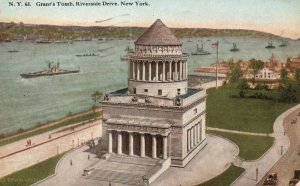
[(75, 118)]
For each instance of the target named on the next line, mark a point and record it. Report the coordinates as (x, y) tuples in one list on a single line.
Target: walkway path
[(238, 132), (189, 175), (267, 161), (33, 155)]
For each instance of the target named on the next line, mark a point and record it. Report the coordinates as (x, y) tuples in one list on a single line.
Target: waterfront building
[(157, 116), (293, 63)]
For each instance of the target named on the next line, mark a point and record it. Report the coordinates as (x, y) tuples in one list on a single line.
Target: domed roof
[(158, 34)]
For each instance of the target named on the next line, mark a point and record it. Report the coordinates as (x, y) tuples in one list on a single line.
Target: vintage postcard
[(160, 93)]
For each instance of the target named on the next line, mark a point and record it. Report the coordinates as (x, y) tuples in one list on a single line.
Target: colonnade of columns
[(194, 135), (131, 143), (158, 70)]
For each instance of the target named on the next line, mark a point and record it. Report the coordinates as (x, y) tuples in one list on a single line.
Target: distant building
[(157, 116), (293, 63), (267, 73)]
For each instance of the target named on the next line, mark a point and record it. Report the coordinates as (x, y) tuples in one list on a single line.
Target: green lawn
[(251, 147), (226, 110), (31, 174), (46, 129), (226, 178)]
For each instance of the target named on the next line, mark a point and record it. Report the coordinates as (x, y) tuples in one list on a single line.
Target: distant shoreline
[(12, 30)]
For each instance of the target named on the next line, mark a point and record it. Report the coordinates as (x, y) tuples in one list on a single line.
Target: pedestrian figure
[(71, 162), (49, 136), (88, 156)]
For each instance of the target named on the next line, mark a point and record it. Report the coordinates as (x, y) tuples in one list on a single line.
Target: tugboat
[(234, 48), (283, 44), (200, 51), (128, 49), (52, 71), (87, 55), (270, 45), (13, 51)]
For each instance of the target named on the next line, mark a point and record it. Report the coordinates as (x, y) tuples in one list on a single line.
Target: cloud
[(108, 19)]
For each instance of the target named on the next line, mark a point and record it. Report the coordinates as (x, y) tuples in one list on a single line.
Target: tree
[(288, 93), (284, 75), (235, 71), (297, 74), (96, 96), (256, 65), (243, 86)]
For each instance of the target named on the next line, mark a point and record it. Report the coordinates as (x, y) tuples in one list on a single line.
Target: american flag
[(214, 45)]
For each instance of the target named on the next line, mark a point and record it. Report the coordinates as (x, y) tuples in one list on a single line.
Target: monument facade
[(157, 116)]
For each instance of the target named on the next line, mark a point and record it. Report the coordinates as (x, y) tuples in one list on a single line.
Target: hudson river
[(25, 102)]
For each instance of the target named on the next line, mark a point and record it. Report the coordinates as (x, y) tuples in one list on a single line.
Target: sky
[(280, 17)]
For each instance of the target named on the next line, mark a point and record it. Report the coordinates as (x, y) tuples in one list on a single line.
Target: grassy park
[(226, 110), (251, 147), (32, 174), (226, 178)]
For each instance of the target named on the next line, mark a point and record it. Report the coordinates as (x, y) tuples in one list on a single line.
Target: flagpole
[(217, 64)]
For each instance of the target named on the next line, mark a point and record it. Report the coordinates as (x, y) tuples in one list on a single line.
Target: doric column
[(153, 146), (164, 71), (110, 142), (180, 70), (142, 145), (149, 78), (170, 70), (197, 133), (130, 144), (144, 72), (200, 130), (186, 70), (133, 70), (129, 72), (191, 138), (176, 74), (119, 143), (188, 140), (138, 70), (194, 136), (165, 147), (183, 70), (156, 72)]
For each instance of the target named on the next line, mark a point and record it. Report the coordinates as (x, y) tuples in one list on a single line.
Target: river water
[(25, 102)]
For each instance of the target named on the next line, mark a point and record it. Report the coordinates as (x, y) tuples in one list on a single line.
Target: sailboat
[(200, 51), (234, 48), (270, 45), (283, 44)]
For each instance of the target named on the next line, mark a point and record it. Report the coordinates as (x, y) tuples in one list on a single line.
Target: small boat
[(283, 44), (124, 58), (43, 41), (234, 48), (51, 71), (61, 41), (128, 49), (270, 45), (13, 51), (86, 55), (200, 51)]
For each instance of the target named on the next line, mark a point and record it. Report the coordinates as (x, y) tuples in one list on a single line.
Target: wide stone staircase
[(127, 170)]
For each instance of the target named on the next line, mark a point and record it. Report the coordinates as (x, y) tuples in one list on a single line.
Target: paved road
[(290, 161), (267, 161), (39, 153)]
